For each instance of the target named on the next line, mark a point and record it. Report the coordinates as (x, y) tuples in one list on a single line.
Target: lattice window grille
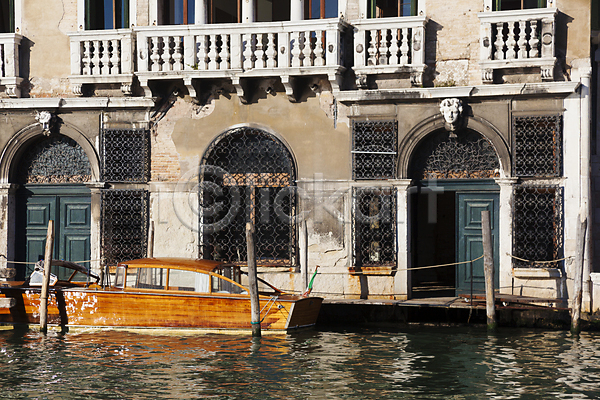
[(55, 159), (537, 225), (374, 227), (537, 143), (467, 156), (124, 225), (125, 155), (248, 175), (374, 149)]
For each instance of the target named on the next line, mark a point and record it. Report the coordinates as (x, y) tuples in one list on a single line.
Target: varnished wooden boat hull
[(153, 309)]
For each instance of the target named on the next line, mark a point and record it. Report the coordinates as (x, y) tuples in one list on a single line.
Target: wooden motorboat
[(157, 293)]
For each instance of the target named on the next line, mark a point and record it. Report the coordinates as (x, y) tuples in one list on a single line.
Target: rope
[(402, 269), (540, 262), (272, 302)]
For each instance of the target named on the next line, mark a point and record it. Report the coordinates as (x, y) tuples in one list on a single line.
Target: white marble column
[(296, 10), (248, 10), (201, 12), (7, 230), (505, 234), (402, 279), (585, 159), (95, 228)]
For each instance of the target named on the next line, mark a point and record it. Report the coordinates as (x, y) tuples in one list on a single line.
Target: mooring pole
[(46, 282), (252, 281), (488, 268), (151, 240), (578, 276)]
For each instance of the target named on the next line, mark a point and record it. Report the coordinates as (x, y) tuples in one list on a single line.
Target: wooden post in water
[(46, 282), (578, 276), (488, 268), (151, 240), (252, 281)]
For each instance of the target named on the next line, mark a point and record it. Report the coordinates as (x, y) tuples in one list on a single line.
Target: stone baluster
[(296, 51), (154, 57), (534, 42), (307, 51), (202, 54), (87, 57), (248, 42), (166, 56), (394, 48), (319, 49), (383, 47), (106, 56), (499, 43), (271, 51), (372, 50), (96, 58), (404, 48), (511, 43), (115, 60), (225, 52), (522, 42), (177, 54), (212, 53), (259, 54)]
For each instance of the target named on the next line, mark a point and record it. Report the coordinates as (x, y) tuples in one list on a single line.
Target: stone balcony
[(518, 39), (236, 52), (10, 44), (102, 57), (389, 46)]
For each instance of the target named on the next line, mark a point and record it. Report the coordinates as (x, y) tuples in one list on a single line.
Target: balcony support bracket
[(187, 81), (290, 83), (241, 88)]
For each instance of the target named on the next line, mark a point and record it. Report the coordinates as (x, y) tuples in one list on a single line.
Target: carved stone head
[(451, 109)]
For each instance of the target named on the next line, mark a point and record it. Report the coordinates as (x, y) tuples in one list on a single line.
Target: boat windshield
[(181, 280)]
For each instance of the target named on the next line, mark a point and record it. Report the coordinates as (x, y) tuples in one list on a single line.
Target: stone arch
[(248, 173), (428, 126), (15, 147)]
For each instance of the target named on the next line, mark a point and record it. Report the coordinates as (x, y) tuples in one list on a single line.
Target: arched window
[(55, 159), (248, 175), (467, 155)]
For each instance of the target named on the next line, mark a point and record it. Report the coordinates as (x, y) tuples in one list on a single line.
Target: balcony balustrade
[(389, 45), (518, 39), (238, 51), (10, 44), (102, 57)]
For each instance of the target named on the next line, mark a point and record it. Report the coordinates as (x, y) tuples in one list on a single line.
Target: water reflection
[(403, 363)]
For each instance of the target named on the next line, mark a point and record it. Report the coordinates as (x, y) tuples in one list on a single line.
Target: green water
[(394, 363)]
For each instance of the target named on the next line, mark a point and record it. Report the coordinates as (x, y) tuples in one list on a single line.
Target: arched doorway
[(454, 176), (248, 174), (51, 171)]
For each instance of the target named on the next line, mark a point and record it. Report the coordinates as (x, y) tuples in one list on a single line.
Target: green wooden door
[(70, 208), (469, 242)]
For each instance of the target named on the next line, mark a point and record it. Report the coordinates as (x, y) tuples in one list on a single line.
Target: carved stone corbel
[(361, 81), (335, 80), (13, 91), (416, 78), (289, 83), (190, 87), (127, 88), (145, 87), (547, 72), (487, 75), (240, 88), (77, 89)]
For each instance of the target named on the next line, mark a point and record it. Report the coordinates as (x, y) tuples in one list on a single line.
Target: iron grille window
[(55, 159), (124, 225), (537, 224), (374, 226), (374, 149), (537, 142), (125, 155), (248, 175)]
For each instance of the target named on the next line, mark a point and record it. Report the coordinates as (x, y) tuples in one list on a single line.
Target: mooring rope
[(272, 300), (540, 262)]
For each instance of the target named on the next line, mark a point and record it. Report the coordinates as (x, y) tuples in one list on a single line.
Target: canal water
[(408, 362)]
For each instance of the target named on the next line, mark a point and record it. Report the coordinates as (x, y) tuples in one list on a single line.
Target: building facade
[(362, 136)]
